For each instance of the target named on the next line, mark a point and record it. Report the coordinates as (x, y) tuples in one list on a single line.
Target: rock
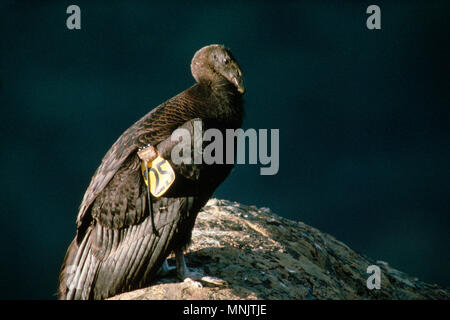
[(261, 255)]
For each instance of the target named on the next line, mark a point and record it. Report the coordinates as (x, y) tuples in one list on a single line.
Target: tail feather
[(110, 261), (78, 271)]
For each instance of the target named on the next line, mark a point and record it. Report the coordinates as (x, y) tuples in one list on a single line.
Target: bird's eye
[(226, 60)]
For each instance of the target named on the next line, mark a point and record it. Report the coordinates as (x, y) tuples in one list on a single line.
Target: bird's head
[(214, 63)]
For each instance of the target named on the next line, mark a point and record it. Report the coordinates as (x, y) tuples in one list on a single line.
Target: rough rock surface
[(261, 255)]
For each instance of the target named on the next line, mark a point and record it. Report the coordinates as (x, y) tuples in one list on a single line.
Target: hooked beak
[(239, 83), (236, 79)]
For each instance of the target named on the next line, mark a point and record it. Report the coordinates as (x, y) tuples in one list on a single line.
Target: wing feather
[(153, 128), (118, 250)]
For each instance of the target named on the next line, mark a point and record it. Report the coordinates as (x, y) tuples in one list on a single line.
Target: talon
[(165, 270), (192, 282), (184, 274)]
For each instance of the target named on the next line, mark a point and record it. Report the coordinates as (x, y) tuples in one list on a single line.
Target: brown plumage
[(115, 249)]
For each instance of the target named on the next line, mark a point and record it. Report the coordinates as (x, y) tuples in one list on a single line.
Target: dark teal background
[(363, 118)]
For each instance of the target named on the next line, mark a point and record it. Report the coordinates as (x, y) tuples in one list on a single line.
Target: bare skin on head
[(214, 64)]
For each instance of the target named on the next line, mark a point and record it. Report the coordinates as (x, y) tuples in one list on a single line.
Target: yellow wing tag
[(161, 175)]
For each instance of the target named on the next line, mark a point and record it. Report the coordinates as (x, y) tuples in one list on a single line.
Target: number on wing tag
[(161, 175)]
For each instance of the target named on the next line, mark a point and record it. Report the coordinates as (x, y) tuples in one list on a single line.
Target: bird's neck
[(224, 100), (221, 88)]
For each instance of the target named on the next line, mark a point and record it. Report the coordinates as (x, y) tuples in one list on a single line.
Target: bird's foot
[(200, 278), (184, 274), (165, 270)]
